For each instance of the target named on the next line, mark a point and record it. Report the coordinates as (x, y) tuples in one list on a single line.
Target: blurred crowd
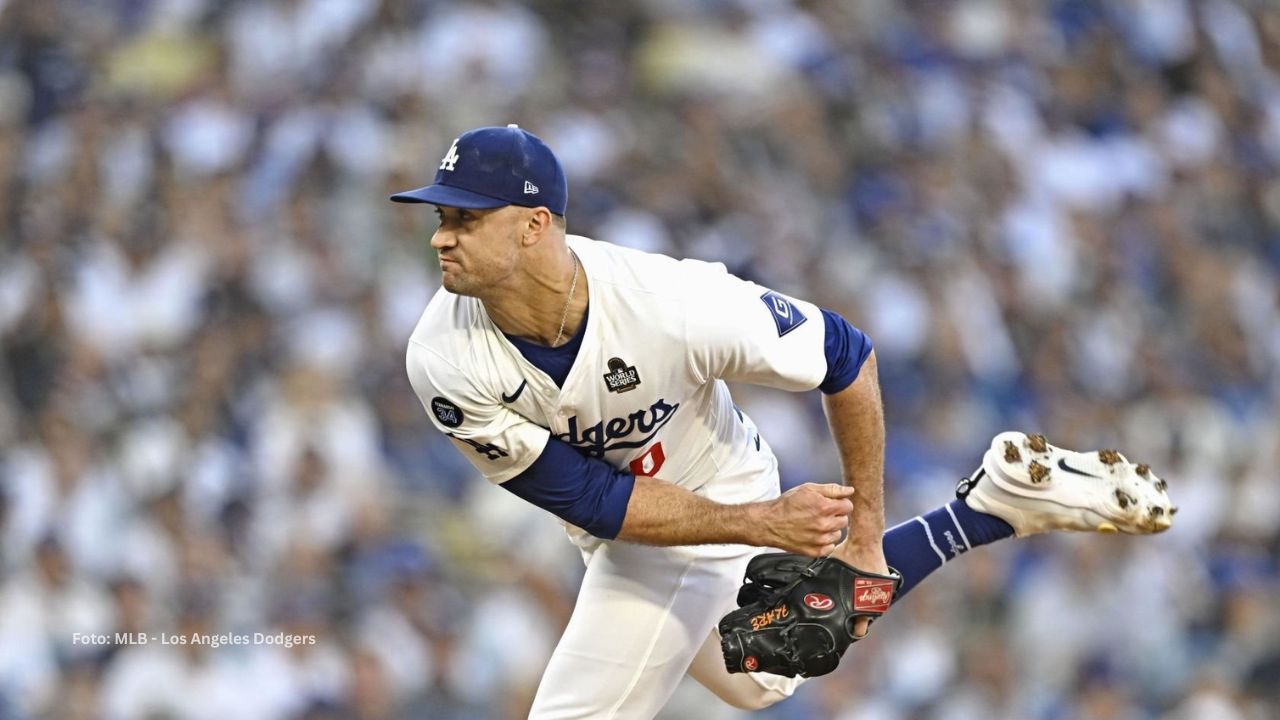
[(1054, 215)]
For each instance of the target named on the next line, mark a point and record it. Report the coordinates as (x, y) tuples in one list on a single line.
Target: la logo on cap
[(451, 157)]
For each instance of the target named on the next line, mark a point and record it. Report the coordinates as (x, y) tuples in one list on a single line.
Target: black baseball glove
[(796, 614)]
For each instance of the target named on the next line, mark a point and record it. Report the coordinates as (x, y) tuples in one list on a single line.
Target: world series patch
[(621, 376), (785, 314), (446, 412)]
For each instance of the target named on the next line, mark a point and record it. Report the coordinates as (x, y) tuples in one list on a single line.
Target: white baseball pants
[(646, 616)]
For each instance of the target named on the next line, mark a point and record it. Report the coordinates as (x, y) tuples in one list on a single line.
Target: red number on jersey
[(650, 462)]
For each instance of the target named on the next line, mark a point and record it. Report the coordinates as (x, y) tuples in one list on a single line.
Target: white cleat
[(1036, 488)]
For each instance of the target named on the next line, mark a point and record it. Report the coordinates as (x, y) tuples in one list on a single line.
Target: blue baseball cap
[(491, 167)]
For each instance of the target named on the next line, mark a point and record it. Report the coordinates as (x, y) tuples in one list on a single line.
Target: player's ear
[(537, 223)]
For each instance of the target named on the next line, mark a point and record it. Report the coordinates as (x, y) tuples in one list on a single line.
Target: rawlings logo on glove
[(796, 615), (873, 595)]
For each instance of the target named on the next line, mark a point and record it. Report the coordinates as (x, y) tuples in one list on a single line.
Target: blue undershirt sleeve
[(580, 490), (847, 349)]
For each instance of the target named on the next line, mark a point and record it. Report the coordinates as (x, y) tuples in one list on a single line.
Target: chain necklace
[(568, 301)]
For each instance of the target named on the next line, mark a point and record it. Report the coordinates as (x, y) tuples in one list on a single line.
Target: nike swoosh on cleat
[(512, 398), (1062, 463)]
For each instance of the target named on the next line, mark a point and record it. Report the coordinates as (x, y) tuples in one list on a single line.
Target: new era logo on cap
[(490, 167)]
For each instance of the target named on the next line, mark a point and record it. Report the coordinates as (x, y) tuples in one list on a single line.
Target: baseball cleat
[(1036, 488)]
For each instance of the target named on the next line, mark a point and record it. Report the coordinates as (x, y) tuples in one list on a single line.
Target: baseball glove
[(796, 614)]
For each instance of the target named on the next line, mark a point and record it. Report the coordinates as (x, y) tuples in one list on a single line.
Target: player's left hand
[(868, 558)]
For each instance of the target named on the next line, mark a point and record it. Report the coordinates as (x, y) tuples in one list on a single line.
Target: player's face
[(478, 249)]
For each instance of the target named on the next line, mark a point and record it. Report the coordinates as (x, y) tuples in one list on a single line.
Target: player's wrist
[(754, 524), (760, 524), (862, 555)]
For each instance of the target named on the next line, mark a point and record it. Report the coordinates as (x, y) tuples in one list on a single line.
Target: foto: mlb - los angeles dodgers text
[(210, 640)]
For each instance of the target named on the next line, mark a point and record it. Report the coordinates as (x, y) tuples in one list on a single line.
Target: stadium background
[(1048, 214)]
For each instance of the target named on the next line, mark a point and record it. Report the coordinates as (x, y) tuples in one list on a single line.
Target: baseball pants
[(646, 616)]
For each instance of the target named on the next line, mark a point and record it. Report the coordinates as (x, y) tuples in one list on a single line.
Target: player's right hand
[(808, 519)]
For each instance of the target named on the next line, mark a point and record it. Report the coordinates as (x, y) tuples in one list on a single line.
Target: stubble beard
[(455, 284)]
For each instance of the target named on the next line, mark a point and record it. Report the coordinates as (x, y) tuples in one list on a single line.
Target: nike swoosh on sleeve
[(512, 398)]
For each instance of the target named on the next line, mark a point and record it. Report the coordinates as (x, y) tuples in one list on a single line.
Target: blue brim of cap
[(449, 197)]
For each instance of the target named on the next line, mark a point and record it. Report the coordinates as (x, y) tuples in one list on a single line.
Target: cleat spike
[(1011, 454), (1109, 457), (1173, 510), (1039, 473), (1122, 499), (1162, 485), (1037, 443), (1157, 512), (1142, 470)]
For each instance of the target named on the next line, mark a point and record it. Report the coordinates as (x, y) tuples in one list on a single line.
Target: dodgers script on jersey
[(647, 390)]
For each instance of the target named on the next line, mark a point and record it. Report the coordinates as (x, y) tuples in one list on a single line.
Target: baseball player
[(589, 379)]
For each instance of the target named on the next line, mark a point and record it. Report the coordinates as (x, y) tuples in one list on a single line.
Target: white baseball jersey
[(646, 393), (646, 390)]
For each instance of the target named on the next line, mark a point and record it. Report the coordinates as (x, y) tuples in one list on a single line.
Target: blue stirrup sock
[(924, 543)]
